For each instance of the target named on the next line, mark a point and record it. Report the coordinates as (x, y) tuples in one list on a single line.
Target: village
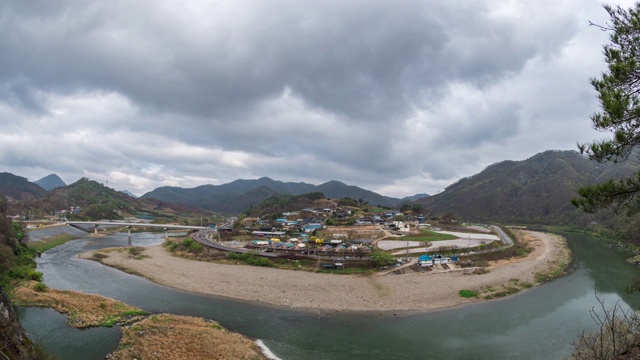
[(337, 238)]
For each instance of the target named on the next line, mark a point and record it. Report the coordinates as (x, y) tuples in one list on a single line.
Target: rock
[(16, 344)]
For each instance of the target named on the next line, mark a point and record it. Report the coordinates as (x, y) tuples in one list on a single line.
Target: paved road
[(506, 240), (201, 237)]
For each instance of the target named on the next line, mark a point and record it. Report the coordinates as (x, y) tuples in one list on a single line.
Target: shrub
[(187, 242), (467, 294), (196, 247), (502, 293), (382, 258), (618, 332), (40, 287), (135, 251), (34, 275), (18, 272), (250, 259), (100, 256)]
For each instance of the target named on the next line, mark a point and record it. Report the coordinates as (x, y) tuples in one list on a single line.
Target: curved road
[(503, 236)]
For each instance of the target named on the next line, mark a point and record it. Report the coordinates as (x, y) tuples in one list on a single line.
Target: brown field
[(83, 310), (167, 336)]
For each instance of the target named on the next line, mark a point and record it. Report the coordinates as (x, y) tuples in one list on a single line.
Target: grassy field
[(49, 243), (425, 235)]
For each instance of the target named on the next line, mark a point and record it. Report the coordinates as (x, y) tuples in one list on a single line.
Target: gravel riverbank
[(326, 292)]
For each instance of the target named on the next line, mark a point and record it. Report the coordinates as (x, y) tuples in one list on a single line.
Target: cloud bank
[(400, 97)]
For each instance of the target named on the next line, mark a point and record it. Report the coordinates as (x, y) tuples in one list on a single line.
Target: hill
[(88, 199), (414, 197), (18, 188), (535, 190), (238, 196), (50, 182)]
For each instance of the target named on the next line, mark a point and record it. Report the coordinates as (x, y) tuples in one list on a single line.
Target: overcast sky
[(399, 97)]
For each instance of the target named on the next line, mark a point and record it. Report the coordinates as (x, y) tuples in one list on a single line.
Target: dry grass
[(83, 310), (556, 268), (166, 336), (133, 252)]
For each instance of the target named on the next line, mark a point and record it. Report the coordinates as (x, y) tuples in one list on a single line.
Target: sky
[(398, 97)]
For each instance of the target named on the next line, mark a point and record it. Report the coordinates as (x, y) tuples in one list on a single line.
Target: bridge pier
[(166, 233), (129, 235), (95, 229)]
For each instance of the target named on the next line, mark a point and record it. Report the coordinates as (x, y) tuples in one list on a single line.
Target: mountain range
[(237, 196), (535, 190)]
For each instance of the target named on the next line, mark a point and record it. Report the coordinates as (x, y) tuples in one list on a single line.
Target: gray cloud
[(400, 96)]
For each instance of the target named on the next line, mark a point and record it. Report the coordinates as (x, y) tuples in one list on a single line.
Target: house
[(363, 242), (425, 260), (269, 233), (312, 226)]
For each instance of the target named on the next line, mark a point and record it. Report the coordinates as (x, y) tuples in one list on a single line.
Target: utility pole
[(407, 248)]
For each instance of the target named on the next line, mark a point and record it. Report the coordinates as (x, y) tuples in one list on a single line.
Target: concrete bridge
[(129, 225)]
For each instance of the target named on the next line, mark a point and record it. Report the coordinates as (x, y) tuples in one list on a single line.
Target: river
[(540, 323)]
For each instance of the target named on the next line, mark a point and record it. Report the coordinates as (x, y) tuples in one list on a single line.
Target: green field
[(425, 235), (47, 244)]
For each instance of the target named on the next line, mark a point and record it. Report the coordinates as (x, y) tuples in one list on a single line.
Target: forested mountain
[(237, 196), (88, 199), (50, 182), (535, 190), (17, 188)]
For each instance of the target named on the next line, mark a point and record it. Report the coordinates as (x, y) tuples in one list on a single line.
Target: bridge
[(135, 224), (129, 225)]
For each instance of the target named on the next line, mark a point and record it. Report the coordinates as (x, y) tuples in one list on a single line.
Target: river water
[(540, 323)]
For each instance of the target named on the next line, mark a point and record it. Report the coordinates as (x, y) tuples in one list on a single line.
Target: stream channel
[(540, 323)]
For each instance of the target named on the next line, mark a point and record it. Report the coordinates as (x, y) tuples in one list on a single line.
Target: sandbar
[(310, 291)]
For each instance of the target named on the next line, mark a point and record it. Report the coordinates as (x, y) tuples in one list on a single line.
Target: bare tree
[(618, 331)]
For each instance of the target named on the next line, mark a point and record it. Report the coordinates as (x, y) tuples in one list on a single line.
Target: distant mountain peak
[(50, 182), (334, 182), (129, 193)]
